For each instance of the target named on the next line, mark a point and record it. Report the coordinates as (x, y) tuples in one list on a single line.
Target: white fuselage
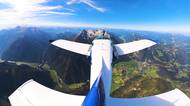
[(102, 54)]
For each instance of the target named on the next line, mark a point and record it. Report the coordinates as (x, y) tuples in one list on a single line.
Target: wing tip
[(50, 41), (154, 41), (27, 82), (54, 42)]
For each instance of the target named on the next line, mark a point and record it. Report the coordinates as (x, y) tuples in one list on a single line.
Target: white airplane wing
[(126, 48), (171, 98), (32, 93), (76, 47)]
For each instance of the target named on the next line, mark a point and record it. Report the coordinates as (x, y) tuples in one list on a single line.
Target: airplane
[(101, 52)]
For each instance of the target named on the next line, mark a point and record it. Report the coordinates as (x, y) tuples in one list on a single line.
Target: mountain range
[(26, 53)]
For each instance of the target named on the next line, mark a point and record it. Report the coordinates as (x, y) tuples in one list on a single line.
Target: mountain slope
[(28, 46), (8, 36)]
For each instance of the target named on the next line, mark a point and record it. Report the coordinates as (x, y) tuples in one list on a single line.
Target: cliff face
[(86, 36)]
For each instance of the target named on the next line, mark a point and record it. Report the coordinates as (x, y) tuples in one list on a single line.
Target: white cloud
[(58, 13), (23, 11), (89, 3)]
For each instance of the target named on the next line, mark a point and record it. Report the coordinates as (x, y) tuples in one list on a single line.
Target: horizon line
[(162, 29)]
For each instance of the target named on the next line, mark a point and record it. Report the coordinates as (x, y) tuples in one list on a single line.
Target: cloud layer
[(19, 11), (30, 11)]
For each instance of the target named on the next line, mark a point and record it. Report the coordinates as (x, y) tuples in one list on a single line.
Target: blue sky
[(161, 15)]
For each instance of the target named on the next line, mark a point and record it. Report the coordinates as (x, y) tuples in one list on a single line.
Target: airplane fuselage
[(102, 55)]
